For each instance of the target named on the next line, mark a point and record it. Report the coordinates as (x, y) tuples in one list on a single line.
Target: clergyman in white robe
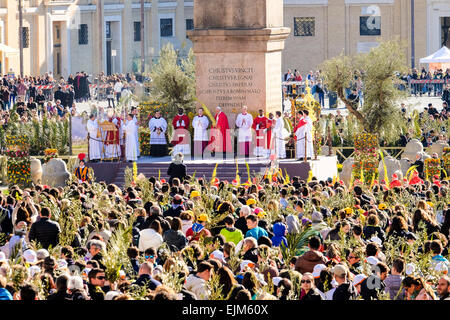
[(158, 142), (131, 147), (244, 122), (95, 139), (280, 144), (200, 124)]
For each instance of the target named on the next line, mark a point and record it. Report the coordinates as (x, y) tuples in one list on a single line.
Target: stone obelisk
[(237, 46)]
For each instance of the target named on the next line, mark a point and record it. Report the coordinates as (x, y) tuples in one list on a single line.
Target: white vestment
[(300, 134), (155, 137), (137, 136), (200, 125), (280, 144), (131, 147), (244, 123), (95, 142)]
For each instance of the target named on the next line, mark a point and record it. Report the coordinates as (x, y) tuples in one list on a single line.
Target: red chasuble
[(221, 142), (182, 123)]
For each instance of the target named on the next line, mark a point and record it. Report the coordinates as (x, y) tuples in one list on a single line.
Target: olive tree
[(378, 71)]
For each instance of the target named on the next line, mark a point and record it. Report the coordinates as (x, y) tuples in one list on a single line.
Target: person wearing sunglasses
[(309, 291), (96, 281)]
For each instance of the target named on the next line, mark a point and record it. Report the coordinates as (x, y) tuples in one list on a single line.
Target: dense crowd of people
[(199, 239)]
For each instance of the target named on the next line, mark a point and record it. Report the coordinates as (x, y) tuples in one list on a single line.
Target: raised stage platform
[(113, 172)]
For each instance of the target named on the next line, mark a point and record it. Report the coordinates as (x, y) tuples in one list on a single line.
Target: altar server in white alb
[(95, 139), (303, 135), (131, 147), (158, 142), (309, 129), (134, 112), (279, 135), (200, 124), (244, 122)]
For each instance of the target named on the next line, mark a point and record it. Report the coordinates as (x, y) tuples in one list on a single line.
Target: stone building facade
[(66, 36)]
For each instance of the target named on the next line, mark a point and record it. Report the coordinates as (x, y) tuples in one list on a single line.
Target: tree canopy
[(378, 70), (173, 79)]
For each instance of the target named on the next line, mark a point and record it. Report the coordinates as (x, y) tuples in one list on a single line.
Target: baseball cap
[(259, 212), (276, 280), (203, 217), (317, 269), (441, 267), (410, 269), (247, 263), (340, 270), (372, 260), (376, 240), (30, 256), (251, 201), (33, 270), (217, 254), (358, 279), (42, 254), (197, 227), (316, 216), (194, 194)]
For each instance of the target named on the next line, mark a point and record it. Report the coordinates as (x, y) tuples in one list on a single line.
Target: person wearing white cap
[(2, 258), (345, 289), (42, 254), (410, 269), (317, 269), (76, 288), (358, 280), (17, 243), (443, 288), (30, 256)]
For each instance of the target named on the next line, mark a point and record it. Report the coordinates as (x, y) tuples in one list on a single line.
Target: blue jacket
[(256, 233), (5, 295), (279, 229)]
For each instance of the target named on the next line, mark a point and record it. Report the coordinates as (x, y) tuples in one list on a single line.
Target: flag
[(213, 177), (386, 178), (238, 179), (310, 175), (288, 179)]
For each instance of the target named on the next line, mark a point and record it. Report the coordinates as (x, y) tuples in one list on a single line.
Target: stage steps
[(225, 171)]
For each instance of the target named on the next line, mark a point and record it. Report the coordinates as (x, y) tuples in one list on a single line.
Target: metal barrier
[(427, 86), (395, 152)]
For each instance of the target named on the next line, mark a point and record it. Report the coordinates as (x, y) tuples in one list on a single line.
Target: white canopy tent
[(438, 60)]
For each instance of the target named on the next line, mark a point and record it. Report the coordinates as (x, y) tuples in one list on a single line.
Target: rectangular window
[(305, 27), (189, 24), (137, 31), (108, 30), (25, 37), (370, 26), (166, 27), (83, 34)]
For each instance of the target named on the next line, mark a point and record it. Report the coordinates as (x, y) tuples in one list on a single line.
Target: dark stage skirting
[(113, 172), (105, 171)]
